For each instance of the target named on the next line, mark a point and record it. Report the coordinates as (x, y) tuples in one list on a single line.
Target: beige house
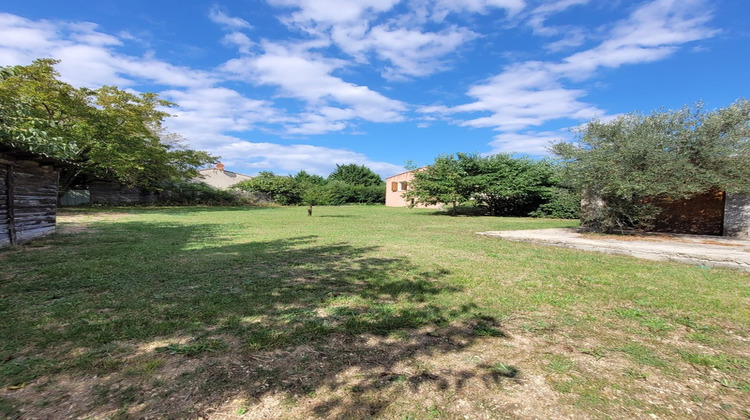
[(220, 178), (396, 186)]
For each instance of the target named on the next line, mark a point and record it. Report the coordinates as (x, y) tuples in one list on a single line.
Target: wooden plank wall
[(4, 207), (702, 214), (28, 200)]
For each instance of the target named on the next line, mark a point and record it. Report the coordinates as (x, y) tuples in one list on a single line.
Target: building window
[(402, 185)]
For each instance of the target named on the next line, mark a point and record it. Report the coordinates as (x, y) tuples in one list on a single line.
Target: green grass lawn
[(357, 312)]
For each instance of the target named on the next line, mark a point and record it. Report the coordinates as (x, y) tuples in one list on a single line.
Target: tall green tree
[(355, 175), (444, 181), (634, 161), (283, 190), (105, 133), (508, 186)]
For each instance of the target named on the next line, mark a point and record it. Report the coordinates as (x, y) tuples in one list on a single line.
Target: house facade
[(220, 178), (395, 188)]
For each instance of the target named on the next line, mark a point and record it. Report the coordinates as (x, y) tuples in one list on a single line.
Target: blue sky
[(290, 85)]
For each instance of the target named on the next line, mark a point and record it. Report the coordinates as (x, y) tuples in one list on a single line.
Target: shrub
[(186, 193)]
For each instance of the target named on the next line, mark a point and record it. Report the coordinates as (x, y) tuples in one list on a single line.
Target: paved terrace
[(711, 251)]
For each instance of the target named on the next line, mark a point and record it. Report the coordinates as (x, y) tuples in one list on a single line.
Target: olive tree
[(630, 163)]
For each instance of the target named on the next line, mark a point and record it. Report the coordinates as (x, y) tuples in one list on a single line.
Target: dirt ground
[(709, 251)]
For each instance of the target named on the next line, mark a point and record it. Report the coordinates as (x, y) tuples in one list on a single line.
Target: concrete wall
[(737, 216)]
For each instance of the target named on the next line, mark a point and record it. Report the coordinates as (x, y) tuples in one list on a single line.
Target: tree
[(281, 189), (508, 186), (312, 190), (442, 182), (24, 125), (355, 175), (314, 195), (105, 133), (636, 160), (304, 178)]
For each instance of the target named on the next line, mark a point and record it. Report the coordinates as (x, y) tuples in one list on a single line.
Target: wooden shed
[(28, 196)]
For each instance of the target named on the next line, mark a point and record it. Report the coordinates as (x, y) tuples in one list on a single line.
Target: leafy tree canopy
[(356, 175), (635, 160), (304, 178), (442, 182), (507, 186), (281, 189), (105, 133)]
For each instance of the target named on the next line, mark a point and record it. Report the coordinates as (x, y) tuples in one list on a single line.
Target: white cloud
[(572, 36), (528, 143), (243, 43), (555, 6), (308, 76), (328, 12), (207, 111), (652, 32), (412, 52), (442, 8), (254, 157), (533, 93), (365, 31), (88, 57), (221, 18), (86, 33), (528, 94)]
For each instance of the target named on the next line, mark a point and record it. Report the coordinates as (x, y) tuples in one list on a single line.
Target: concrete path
[(711, 251)]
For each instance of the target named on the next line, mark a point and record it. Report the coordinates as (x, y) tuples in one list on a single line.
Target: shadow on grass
[(165, 320)]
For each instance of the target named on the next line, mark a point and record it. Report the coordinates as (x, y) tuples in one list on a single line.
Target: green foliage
[(105, 133), (636, 160), (561, 203), (186, 193), (315, 195), (24, 124), (303, 178), (314, 190), (341, 192), (356, 175), (507, 186), (283, 190), (441, 182)]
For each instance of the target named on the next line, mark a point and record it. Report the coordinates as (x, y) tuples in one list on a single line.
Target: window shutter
[(394, 186)]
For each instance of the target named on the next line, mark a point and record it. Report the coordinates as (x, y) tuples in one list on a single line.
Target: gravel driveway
[(711, 251)]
